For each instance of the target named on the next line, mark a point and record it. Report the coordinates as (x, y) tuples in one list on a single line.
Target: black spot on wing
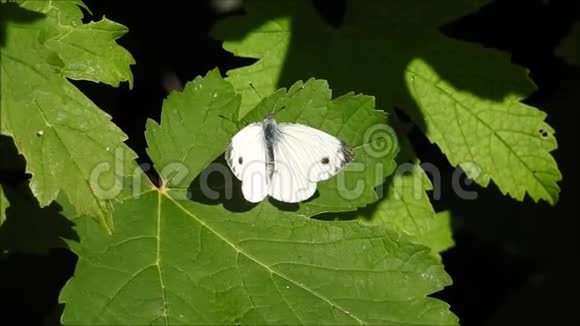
[(240, 160), (346, 152), (325, 160)]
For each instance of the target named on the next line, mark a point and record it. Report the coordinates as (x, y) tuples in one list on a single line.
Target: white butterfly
[(284, 160)]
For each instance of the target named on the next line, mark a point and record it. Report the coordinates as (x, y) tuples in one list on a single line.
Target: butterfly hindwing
[(246, 157), (289, 184)]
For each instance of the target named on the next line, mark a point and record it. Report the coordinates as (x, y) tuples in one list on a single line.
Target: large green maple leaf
[(466, 99), (69, 144), (177, 261), (180, 157)]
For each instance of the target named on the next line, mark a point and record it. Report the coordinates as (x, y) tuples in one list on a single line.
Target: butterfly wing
[(289, 183), (246, 157), (304, 156)]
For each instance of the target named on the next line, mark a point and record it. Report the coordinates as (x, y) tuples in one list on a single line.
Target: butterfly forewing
[(246, 157), (303, 156), (289, 183)]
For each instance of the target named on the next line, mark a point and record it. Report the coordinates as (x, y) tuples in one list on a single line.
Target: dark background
[(513, 263)]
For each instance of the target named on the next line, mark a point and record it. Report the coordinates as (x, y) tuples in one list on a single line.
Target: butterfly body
[(284, 160), (271, 136)]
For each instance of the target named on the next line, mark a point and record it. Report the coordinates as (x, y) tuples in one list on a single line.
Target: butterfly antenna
[(282, 108), (255, 90), (228, 119), (261, 98)]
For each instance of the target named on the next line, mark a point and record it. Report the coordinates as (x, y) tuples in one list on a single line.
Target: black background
[(513, 263)]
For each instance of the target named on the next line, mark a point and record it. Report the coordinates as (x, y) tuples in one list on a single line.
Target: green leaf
[(192, 139), (569, 48), (177, 262), (4, 204), (464, 97), (506, 140), (406, 207), (439, 236), (69, 144), (90, 53), (172, 260), (177, 148)]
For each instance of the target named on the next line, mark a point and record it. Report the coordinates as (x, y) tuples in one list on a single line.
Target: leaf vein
[(249, 256)]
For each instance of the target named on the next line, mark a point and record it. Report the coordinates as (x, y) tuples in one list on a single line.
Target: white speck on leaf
[(40, 133)]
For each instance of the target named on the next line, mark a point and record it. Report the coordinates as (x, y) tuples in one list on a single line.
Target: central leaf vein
[(158, 259), (257, 261)]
